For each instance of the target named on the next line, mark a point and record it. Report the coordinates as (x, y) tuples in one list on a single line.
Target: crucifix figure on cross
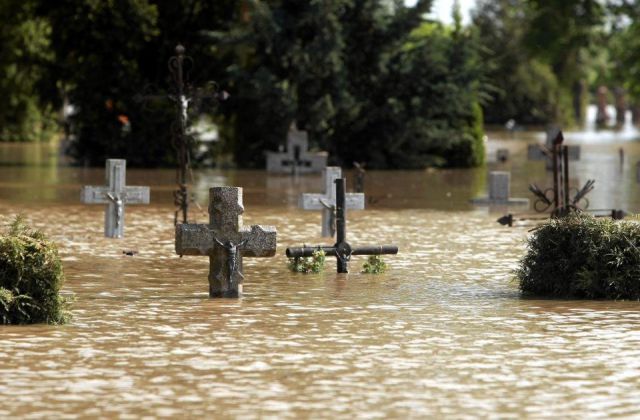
[(115, 195), (226, 241), (342, 250), (327, 200)]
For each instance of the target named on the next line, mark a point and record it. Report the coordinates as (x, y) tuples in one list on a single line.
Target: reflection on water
[(444, 333)]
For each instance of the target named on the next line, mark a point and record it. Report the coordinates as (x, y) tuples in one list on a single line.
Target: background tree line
[(371, 80)]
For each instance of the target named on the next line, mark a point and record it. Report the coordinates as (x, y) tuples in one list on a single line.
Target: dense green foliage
[(538, 53), (370, 81), (374, 265), (584, 257), (24, 52), (30, 278), (312, 264)]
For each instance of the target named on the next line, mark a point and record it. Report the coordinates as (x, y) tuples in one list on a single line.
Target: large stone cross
[(225, 240), (115, 195), (327, 201)]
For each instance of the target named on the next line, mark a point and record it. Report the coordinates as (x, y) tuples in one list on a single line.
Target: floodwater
[(444, 333)]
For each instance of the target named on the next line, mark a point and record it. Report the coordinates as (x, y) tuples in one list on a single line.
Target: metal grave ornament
[(226, 241), (115, 195), (297, 159), (327, 201), (182, 94), (560, 200), (342, 250)]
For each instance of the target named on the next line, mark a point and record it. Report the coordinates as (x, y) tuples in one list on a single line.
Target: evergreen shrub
[(30, 278), (581, 256)]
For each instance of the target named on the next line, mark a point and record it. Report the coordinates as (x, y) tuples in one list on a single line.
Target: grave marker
[(297, 159), (226, 241), (342, 250), (499, 191), (327, 201), (115, 195)]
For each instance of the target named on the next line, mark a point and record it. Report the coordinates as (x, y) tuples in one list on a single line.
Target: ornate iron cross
[(182, 93)]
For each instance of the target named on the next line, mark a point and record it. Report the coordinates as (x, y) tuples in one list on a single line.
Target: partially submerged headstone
[(297, 159), (499, 191), (342, 250), (115, 195), (327, 201), (226, 241)]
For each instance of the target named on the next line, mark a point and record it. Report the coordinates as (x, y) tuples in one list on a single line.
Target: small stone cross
[(342, 250), (225, 241), (115, 195), (327, 201)]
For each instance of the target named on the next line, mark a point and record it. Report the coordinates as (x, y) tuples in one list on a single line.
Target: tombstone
[(297, 159), (226, 241), (341, 249), (327, 200), (502, 155), (115, 195), (499, 191)]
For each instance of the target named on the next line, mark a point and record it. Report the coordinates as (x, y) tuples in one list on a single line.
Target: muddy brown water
[(443, 333)]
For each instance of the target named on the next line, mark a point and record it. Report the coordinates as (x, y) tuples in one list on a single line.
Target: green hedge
[(581, 256), (30, 278)]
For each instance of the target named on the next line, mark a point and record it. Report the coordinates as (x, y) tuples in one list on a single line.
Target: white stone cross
[(115, 195), (327, 201), (297, 158), (225, 241)]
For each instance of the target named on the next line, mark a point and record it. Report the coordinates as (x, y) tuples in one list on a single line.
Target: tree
[(23, 57)]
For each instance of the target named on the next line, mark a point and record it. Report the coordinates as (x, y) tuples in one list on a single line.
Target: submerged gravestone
[(499, 191), (226, 241), (342, 250), (297, 159), (327, 200), (115, 195)]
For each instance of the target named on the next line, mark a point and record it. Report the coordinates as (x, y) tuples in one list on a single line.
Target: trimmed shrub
[(580, 256), (30, 278)]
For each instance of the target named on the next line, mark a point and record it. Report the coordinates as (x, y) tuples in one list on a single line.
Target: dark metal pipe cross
[(341, 249)]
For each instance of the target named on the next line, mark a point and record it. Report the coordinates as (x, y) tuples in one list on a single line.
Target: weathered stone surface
[(502, 155), (326, 202), (115, 195), (225, 240), (499, 191), (297, 159)]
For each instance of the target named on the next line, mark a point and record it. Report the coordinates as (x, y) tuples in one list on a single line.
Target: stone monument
[(115, 195), (499, 191), (226, 241), (297, 159)]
